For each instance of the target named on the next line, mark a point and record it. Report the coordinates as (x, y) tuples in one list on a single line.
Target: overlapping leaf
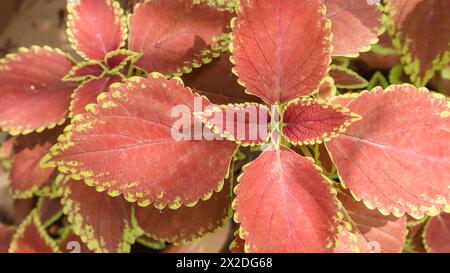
[(374, 231), (72, 243), (285, 205), (176, 35), (88, 91), (421, 32), (355, 25), (247, 123), (96, 27), (122, 145), (347, 78), (31, 82), (436, 236), (216, 81), (26, 175), (396, 158), (307, 121), (102, 222), (281, 49), (187, 223), (84, 70), (31, 237)]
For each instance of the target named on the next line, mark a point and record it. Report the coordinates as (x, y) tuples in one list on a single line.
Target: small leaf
[(421, 33), (84, 70), (346, 78), (101, 221), (307, 121), (31, 237), (355, 25), (187, 223), (378, 79), (31, 82), (246, 124), (6, 235), (96, 27), (26, 176), (88, 91), (238, 244), (285, 205), (327, 89), (281, 48), (375, 232), (221, 86), (396, 159), (7, 152), (132, 130), (118, 59), (436, 236), (176, 35)]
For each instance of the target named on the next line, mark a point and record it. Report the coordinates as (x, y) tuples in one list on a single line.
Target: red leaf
[(186, 223), (6, 235), (375, 232), (96, 27), (31, 83), (116, 60), (346, 78), (285, 205), (355, 25), (26, 175), (84, 70), (7, 152), (247, 124), (221, 86), (31, 237), (101, 221), (436, 235), (132, 125), (421, 32), (396, 158), (308, 121), (175, 35), (281, 48), (327, 89), (88, 91), (49, 209)]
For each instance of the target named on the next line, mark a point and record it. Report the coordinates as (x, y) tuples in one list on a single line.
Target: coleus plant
[(383, 152)]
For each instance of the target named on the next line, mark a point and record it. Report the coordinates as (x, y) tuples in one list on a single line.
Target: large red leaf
[(26, 176), (102, 222), (281, 48), (436, 236), (32, 94), (355, 25), (122, 145), (247, 123), (396, 159), (374, 231), (96, 27), (187, 223), (285, 205), (421, 32), (31, 237), (6, 235), (307, 121), (216, 81), (85, 70), (88, 91), (176, 35)]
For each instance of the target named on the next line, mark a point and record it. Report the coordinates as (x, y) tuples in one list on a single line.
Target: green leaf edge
[(363, 82), (432, 211), (65, 168)]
